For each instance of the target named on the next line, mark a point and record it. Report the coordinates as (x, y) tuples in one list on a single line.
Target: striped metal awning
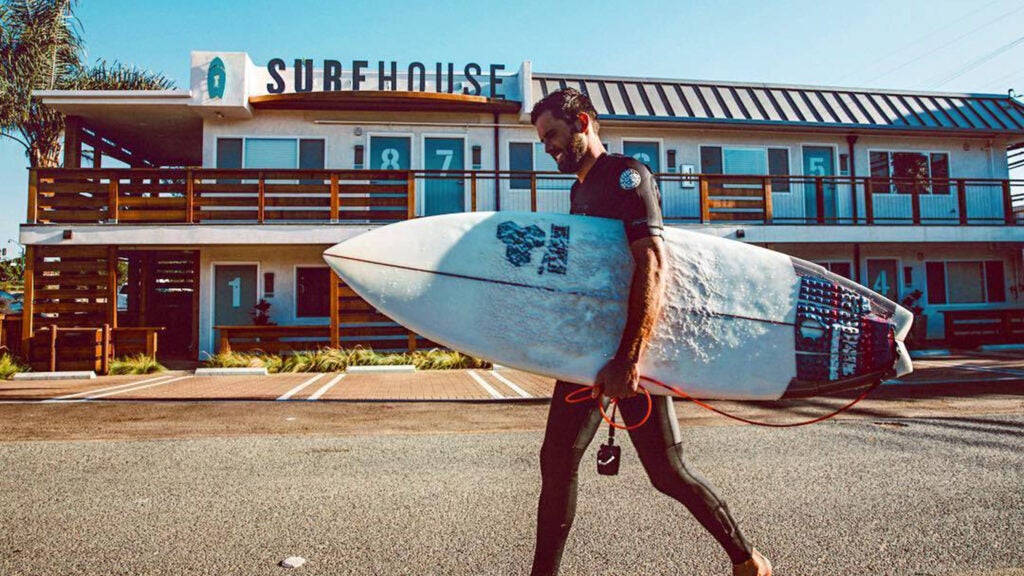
[(803, 107)]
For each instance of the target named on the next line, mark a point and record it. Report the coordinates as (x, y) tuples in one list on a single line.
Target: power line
[(978, 62), (917, 41), (949, 43), (1003, 83)]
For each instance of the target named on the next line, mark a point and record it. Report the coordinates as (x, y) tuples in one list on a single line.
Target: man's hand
[(618, 379)]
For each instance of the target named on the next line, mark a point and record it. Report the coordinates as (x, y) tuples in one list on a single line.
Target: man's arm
[(619, 378)]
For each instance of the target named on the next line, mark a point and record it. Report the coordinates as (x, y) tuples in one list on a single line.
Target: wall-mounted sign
[(415, 78), (216, 78)]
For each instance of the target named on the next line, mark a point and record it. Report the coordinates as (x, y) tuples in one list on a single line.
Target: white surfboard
[(547, 293)]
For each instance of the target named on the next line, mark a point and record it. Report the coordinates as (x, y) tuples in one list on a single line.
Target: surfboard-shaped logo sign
[(216, 78)]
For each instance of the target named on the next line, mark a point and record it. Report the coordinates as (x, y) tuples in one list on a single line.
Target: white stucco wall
[(915, 257), (281, 260), (970, 158)]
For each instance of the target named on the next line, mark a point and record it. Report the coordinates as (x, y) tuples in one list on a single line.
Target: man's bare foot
[(758, 565)]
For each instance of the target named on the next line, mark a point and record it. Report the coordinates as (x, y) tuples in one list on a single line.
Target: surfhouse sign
[(474, 79)]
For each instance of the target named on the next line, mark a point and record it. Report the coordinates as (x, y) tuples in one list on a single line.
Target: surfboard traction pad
[(844, 339)]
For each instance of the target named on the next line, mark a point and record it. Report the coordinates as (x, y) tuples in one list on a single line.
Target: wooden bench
[(272, 339), (972, 328)]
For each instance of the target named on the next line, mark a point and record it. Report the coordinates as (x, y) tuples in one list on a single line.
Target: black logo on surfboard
[(521, 241)]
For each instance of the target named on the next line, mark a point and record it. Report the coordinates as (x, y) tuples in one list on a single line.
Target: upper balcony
[(204, 196)]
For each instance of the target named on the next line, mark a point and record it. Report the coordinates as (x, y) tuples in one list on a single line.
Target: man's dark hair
[(565, 104)]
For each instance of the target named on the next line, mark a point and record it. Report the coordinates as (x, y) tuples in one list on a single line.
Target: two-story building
[(227, 193)]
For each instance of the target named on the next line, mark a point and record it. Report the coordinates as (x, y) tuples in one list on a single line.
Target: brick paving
[(455, 385), (432, 385)]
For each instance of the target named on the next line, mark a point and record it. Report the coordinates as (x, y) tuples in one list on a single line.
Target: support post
[(335, 311), (533, 192), (1008, 215), (106, 350), (472, 192), (190, 197), (705, 209), (72, 142), (869, 201), (410, 191), (961, 200), (335, 198), (261, 206), (819, 199), (28, 301), (33, 195), (53, 348), (915, 201)]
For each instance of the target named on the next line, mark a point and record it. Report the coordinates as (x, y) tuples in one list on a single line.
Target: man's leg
[(657, 443), (570, 429)]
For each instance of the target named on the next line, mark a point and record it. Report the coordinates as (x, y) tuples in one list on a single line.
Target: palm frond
[(115, 76)]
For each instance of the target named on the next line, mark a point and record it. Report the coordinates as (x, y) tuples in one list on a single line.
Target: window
[(844, 269), (285, 153), (271, 153), (901, 172), (312, 292), (971, 282), (529, 157), (747, 161)]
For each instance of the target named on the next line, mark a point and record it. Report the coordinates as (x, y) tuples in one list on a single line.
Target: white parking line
[(1010, 371), (88, 392), (299, 388), (133, 389), (323, 389), (490, 389), (510, 384)]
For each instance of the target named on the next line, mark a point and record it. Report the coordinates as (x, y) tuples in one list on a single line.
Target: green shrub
[(138, 364), (446, 360), (9, 366), (338, 359), (234, 360)]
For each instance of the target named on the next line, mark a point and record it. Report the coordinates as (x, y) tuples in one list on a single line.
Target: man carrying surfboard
[(619, 187)]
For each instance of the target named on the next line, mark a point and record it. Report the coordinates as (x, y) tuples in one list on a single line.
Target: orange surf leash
[(583, 394)]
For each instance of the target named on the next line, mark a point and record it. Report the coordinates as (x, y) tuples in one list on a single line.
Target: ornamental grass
[(9, 366), (338, 359), (137, 364)]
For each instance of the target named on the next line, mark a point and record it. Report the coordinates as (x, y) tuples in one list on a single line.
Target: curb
[(90, 375), (231, 372)]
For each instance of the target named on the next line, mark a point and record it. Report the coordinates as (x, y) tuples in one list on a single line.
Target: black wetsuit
[(622, 188)]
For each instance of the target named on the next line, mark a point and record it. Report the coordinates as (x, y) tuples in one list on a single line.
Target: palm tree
[(41, 48)]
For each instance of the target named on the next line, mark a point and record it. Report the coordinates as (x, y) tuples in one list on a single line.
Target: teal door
[(234, 295), (818, 161), (647, 152), (444, 194), (389, 153), (882, 277)]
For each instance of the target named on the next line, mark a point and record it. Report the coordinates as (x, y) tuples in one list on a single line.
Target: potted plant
[(919, 331), (261, 314)]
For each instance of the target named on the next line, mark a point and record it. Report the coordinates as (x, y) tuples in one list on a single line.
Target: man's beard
[(572, 157)]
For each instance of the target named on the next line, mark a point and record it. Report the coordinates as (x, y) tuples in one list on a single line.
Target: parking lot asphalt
[(436, 473)]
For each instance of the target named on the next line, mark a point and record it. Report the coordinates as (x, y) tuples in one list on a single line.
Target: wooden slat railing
[(209, 195), (89, 348), (278, 339), (972, 328), (10, 334)]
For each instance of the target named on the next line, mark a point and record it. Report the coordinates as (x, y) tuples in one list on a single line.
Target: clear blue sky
[(942, 45)]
